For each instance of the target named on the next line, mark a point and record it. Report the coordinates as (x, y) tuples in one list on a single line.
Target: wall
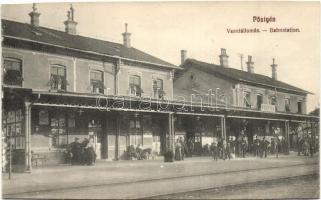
[(266, 92), (202, 82), (36, 70), (36, 73), (147, 76), (184, 86)]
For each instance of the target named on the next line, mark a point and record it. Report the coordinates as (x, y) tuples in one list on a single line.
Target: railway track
[(117, 185), (194, 194)]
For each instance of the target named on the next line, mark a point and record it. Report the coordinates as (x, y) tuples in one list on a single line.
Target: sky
[(162, 29)]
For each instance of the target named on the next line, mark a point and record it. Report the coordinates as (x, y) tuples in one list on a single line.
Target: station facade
[(58, 85), (210, 84)]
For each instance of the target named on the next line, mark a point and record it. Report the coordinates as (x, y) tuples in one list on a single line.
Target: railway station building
[(58, 85), (258, 105)]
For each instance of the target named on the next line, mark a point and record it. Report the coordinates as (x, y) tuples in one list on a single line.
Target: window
[(158, 88), (135, 86), (272, 100), (13, 71), (58, 130), (135, 136), (287, 104), (13, 129), (97, 81), (58, 78), (299, 107), (247, 99), (259, 101)]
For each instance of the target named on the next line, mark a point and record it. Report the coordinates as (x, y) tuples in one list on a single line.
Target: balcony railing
[(268, 108)]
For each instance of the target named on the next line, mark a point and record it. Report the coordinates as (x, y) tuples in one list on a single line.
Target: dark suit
[(75, 149)]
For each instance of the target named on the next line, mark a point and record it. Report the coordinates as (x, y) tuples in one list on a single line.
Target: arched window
[(97, 81), (135, 85), (12, 71), (58, 79)]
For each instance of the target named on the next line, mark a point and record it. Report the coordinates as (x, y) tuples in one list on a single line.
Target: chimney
[(250, 65), (34, 16), (183, 56), (70, 24), (274, 73), (126, 37), (223, 58)]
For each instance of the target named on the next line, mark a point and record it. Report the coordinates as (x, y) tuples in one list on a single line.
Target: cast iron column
[(28, 136), (171, 131), (117, 136), (287, 129)]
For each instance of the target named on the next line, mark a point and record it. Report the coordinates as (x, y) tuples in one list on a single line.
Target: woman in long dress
[(90, 153), (178, 150)]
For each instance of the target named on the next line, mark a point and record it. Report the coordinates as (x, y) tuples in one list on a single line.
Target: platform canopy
[(145, 105)]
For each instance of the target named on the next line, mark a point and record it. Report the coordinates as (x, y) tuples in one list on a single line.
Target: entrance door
[(95, 133), (198, 143)]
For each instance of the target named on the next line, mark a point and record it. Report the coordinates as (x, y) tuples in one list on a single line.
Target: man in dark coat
[(75, 149), (84, 155), (181, 140), (243, 147), (215, 150), (256, 145), (312, 145), (190, 147), (264, 147)]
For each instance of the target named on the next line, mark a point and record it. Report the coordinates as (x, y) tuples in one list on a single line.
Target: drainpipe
[(117, 68)]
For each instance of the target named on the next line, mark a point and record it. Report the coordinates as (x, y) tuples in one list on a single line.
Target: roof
[(240, 75), (60, 38)]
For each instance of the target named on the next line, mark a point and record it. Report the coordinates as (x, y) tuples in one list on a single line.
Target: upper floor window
[(97, 81), (135, 86), (259, 101), (247, 99), (158, 88), (287, 104), (272, 100), (13, 71), (299, 107), (58, 79)]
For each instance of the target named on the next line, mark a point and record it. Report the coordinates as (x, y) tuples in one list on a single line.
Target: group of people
[(261, 147), (82, 153), (238, 147), (221, 149), (307, 145)]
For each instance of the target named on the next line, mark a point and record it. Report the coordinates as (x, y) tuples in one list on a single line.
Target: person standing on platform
[(240, 144), (243, 147), (256, 146), (178, 150), (181, 141), (224, 148), (215, 150), (190, 147), (312, 145), (264, 147), (83, 154), (75, 149), (90, 153)]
